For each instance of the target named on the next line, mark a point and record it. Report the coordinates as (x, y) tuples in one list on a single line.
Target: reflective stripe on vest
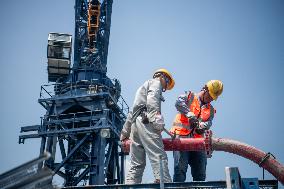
[(181, 125)]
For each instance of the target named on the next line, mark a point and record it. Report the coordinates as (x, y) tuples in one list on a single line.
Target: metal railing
[(263, 184), (28, 175), (86, 87)]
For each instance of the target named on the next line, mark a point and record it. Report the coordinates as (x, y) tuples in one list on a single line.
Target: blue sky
[(239, 42)]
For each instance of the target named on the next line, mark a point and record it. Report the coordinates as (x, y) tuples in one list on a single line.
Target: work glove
[(192, 119), (190, 116), (159, 123), (200, 129)]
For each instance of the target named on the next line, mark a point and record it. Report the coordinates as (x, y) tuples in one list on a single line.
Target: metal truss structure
[(84, 109)]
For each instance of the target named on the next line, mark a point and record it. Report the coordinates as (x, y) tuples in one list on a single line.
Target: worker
[(144, 125), (195, 115)]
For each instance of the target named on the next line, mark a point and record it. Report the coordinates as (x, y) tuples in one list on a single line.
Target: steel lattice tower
[(84, 109)]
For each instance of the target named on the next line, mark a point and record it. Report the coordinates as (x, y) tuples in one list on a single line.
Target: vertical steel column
[(42, 148), (50, 161), (233, 179), (53, 148), (122, 165), (97, 160), (79, 12)]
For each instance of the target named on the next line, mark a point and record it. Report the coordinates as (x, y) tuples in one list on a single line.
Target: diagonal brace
[(71, 153)]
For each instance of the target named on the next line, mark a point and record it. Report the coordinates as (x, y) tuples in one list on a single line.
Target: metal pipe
[(227, 145)]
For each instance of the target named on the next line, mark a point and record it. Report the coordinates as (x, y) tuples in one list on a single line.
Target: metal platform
[(233, 181), (265, 184)]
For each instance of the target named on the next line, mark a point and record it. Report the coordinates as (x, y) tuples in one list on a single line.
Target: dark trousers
[(197, 161)]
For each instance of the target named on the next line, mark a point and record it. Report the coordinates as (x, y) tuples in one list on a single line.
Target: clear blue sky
[(239, 42)]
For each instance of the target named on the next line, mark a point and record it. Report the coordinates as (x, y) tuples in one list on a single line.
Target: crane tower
[(84, 108)]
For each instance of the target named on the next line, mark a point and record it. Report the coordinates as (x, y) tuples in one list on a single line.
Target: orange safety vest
[(181, 125)]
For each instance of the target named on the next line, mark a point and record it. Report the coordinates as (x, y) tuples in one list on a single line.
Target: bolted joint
[(208, 143)]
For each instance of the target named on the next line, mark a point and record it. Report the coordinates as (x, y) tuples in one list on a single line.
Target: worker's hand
[(122, 137), (194, 123), (191, 116), (200, 129)]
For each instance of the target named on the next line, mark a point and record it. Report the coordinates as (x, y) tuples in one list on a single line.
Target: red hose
[(176, 144), (226, 145), (249, 152)]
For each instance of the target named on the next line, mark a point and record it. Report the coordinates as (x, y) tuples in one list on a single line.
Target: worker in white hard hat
[(144, 125), (194, 117)]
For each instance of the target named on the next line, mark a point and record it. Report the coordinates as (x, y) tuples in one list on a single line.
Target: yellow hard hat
[(167, 73), (215, 88)]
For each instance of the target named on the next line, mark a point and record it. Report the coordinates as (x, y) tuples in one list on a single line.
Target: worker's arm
[(126, 130), (153, 103), (207, 124), (181, 104)]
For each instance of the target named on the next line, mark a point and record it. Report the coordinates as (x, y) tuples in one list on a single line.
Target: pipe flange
[(208, 143)]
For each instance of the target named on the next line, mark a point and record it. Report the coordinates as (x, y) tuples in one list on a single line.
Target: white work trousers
[(146, 140)]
